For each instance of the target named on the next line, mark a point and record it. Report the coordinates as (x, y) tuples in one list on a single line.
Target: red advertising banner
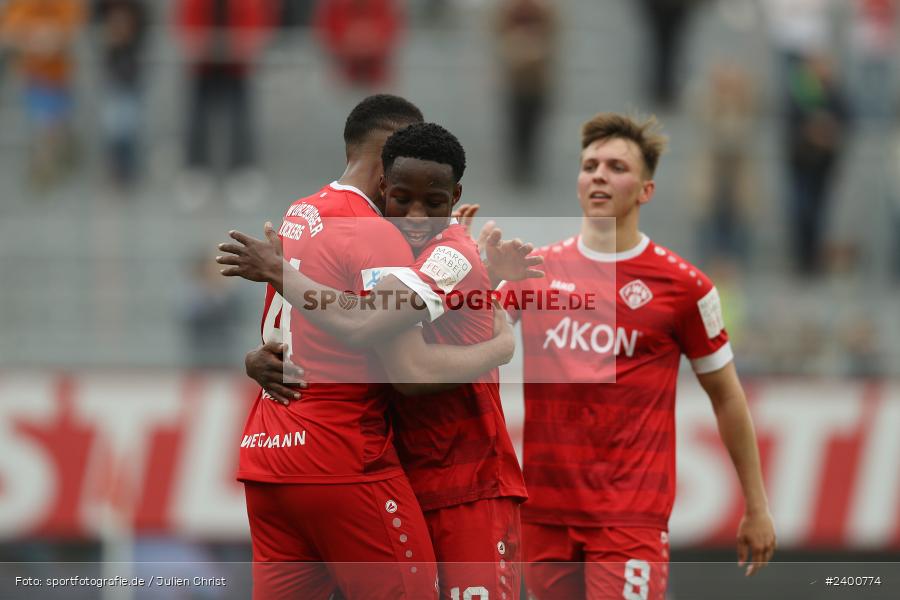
[(156, 452)]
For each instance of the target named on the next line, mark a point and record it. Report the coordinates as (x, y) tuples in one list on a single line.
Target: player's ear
[(647, 190), (382, 184), (457, 194)]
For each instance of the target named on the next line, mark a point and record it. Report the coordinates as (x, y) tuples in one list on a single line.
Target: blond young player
[(599, 458)]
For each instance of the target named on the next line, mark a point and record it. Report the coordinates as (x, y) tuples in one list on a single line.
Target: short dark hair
[(379, 112), (425, 141), (645, 133)]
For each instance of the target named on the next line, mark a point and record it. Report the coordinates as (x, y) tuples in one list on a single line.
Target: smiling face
[(612, 181), (419, 197)]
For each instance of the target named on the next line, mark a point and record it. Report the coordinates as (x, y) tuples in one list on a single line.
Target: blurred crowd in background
[(135, 133)]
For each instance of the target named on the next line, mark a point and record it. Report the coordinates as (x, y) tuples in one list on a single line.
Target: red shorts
[(596, 563), (478, 549), (306, 535)]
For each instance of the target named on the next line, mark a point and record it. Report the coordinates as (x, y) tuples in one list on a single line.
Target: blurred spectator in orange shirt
[(41, 33), (360, 36)]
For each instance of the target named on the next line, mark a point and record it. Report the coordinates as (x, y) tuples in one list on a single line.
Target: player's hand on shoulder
[(281, 380), (251, 258), (756, 541)]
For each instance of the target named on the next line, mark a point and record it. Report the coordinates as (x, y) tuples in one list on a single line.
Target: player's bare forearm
[(298, 289), (736, 430), (756, 532), (320, 305), (432, 368), (462, 364), (416, 367), (325, 307), (368, 320), (358, 321)]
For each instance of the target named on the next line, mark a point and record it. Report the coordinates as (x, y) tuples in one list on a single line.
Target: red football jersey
[(603, 454), (454, 445), (337, 432)]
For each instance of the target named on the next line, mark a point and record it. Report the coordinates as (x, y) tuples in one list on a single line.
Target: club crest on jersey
[(636, 294), (390, 506)]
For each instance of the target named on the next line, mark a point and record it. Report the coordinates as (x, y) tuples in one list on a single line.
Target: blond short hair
[(645, 133)]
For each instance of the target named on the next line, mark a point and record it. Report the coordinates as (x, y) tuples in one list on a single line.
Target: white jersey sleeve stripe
[(713, 362), (433, 302)]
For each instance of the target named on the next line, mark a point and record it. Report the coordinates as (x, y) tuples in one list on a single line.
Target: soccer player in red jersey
[(453, 445), (455, 449), (323, 482), (599, 458)]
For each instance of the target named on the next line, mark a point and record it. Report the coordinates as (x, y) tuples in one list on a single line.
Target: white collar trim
[(349, 188), (614, 256)]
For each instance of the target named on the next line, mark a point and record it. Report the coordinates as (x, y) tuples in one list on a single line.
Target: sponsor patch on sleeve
[(711, 312), (447, 267), (372, 277)]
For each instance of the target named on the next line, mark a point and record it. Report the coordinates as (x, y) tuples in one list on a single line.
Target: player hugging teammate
[(453, 443), (599, 458)]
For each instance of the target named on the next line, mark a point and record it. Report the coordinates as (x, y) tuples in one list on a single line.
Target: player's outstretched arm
[(415, 367), (756, 534), (389, 308)]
